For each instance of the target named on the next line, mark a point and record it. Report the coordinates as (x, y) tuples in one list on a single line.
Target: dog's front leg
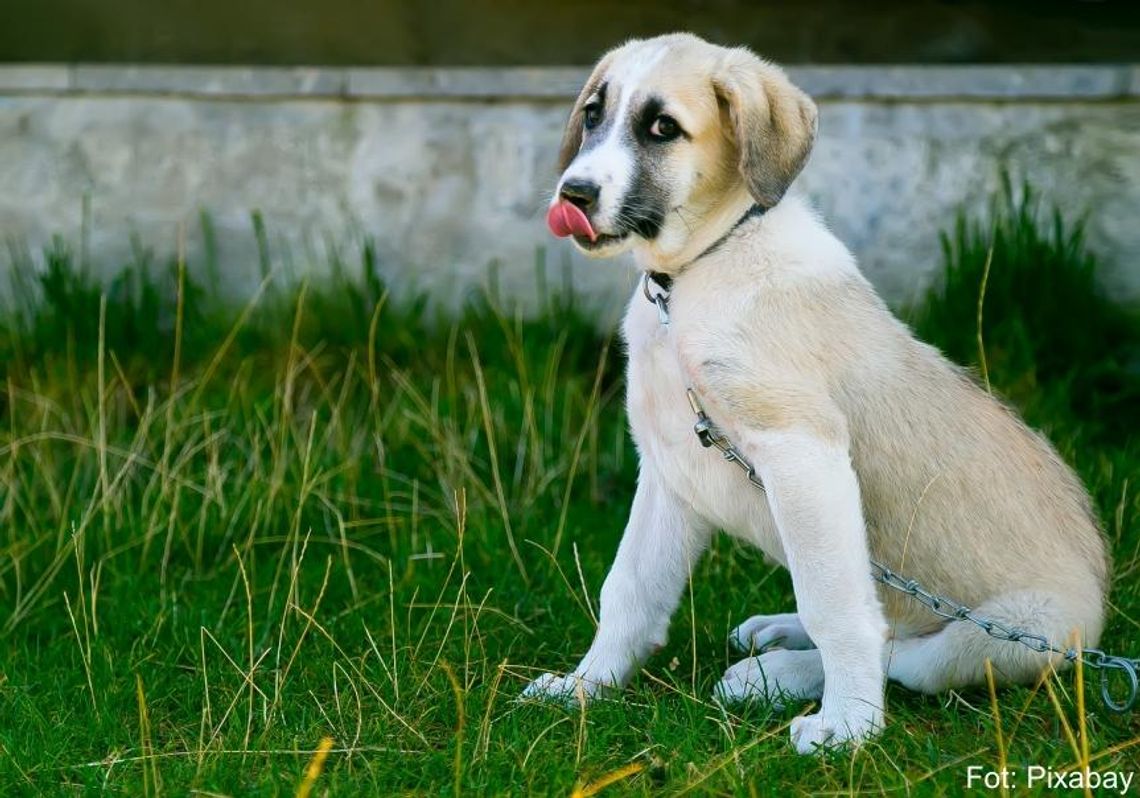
[(662, 541), (814, 496)]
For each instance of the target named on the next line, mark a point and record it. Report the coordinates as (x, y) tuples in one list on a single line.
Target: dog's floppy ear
[(572, 136), (772, 122)]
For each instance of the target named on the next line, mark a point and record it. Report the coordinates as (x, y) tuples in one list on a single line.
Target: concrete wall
[(449, 169)]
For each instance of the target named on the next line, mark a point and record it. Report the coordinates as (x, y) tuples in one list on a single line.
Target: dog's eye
[(592, 116), (664, 128)]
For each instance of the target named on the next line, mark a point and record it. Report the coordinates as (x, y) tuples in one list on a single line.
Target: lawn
[(232, 537)]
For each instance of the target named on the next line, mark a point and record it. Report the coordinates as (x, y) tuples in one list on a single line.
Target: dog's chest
[(661, 422)]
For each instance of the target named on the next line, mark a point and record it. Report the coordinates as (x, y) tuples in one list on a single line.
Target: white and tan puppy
[(869, 443)]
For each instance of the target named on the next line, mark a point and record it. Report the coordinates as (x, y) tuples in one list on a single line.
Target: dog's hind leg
[(774, 677), (761, 631), (955, 656)]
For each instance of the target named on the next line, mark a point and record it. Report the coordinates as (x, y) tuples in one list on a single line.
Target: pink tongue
[(565, 219)]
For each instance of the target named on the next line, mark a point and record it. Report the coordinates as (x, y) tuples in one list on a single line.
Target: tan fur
[(870, 443), (827, 356), (773, 122), (986, 495), (957, 492)]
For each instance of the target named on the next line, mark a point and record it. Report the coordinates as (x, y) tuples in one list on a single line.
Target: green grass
[(229, 533)]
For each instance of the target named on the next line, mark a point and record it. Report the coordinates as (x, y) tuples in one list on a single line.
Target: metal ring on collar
[(660, 301), (652, 297)]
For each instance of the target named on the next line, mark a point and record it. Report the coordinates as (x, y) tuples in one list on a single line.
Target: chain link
[(1094, 658), (712, 437), (1107, 664)]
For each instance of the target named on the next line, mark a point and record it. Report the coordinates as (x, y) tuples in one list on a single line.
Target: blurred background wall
[(430, 128)]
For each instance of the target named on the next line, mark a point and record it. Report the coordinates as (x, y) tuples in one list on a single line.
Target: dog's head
[(669, 134)]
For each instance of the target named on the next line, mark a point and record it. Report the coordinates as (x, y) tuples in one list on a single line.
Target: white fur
[(661, 543), (809, 520), (869, 444), (610, 163), (761, 631)]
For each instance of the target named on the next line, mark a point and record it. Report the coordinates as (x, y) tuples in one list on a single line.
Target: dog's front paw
[(570, 689), (818, 732)]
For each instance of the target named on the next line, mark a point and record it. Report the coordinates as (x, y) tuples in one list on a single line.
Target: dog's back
[(958, 492)]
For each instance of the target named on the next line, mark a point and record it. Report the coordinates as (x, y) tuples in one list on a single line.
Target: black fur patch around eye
[(643, 119), (591, 136)]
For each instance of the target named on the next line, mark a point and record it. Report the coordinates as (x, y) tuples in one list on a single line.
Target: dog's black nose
[(582, 193)]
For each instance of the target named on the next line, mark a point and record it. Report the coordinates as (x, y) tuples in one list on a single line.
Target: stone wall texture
[(448, 171)]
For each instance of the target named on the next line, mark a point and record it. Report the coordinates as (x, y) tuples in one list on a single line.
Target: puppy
[(868, 442)]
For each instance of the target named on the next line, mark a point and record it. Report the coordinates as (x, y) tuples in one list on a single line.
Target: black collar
[(665, 281)]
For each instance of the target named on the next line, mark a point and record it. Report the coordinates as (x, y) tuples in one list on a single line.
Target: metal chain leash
[(1107, 665), (1095, 658), (709, 435)]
